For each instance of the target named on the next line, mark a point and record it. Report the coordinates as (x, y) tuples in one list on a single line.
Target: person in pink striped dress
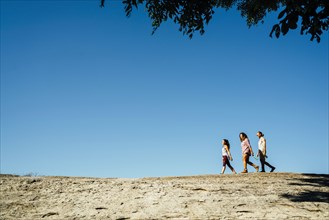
[(246, 152)]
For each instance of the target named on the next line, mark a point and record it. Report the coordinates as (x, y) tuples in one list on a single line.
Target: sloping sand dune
[(241, 196)]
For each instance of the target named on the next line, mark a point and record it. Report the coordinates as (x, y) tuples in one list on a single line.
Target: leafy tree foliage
[(312, 16)]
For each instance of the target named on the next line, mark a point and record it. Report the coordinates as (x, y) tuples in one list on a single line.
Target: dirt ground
[(240, 196)]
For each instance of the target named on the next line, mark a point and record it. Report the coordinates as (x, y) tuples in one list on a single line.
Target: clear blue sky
[(86, 91)]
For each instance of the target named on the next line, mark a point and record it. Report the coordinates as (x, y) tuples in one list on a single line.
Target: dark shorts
[(226, 161)]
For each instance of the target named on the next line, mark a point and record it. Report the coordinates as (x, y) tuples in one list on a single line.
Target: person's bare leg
[(232, 169), (223, 169), (244, 160), (254, 165)]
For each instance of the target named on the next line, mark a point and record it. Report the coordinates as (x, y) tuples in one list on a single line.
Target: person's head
[(259, 134), (226, 142), (243, 136)]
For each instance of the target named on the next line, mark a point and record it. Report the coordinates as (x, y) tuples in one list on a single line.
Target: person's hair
[(244, 136), (227, 143), (261, 133)]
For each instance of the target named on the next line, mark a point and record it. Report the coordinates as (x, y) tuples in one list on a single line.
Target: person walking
[(262, 152), (226, 154), (246, 152)]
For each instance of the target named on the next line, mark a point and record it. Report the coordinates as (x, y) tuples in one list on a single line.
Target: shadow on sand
[(317, 181)]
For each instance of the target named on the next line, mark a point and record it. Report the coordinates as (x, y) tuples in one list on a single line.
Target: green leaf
[(277, 32), (276, 29), (293, 25), (284, 28), (281, 14)]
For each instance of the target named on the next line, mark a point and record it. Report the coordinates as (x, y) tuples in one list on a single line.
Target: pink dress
[(245, 146)]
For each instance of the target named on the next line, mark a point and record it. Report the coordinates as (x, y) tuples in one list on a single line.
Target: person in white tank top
[(262, 152), (226, 155)]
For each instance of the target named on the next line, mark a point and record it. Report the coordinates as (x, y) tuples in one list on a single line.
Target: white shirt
[(224, 152), (262, 144)]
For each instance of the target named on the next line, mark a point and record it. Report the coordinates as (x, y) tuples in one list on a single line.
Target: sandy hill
[(241, 196)]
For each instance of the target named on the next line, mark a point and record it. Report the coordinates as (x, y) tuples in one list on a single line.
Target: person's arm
[(264, 147), (259, 146), (251, 151), (228, 152)]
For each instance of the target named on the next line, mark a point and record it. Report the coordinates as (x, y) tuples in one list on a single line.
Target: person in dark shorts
[(246, 152), (262, 152), (226, 154)]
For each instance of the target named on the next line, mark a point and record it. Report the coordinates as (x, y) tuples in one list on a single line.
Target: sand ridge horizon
[(31, 174)]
